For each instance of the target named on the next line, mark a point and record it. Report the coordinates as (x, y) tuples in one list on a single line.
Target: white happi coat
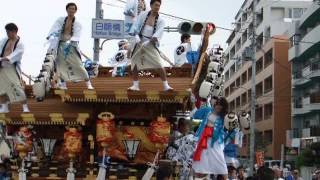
[(16, 56), (137, 26), (180, 54), (54, 35), (130, 14)]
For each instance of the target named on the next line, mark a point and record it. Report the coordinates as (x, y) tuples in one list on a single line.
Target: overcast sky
[(35, 17)]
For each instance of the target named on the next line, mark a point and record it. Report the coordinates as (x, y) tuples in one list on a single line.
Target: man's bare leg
[(163, 77), (4, 104), (89, 85), (135, 86), (25, 106)]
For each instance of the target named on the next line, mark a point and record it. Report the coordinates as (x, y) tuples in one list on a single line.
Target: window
[(295, 13), (268, 84), (244, 99), (268, 58), (249, 73), (268, 137), (232, 87), (244, 17), (226, 92), (238, 25), (227, 58), (232, 52), (294, 40), (238, 44), (238, 82), (244, 78), (238, 102), (268, 111), (250, 30), (259, 114), (226, 75), (259, 137), (238, 65), (259, 17), (232, 105), (259, 42), (267, 34), (259, 65), (249, 94), (244, 37), (232, 70), (259, 89)]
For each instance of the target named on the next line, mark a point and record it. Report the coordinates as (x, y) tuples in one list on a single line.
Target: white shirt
[(137, 26), (16, 56), (56, 30), (120, 59), (180, 54)]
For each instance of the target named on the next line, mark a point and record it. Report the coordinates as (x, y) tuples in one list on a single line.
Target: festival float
[(107, 132), (76, 130)]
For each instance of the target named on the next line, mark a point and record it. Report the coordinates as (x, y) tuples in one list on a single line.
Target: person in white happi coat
[(120, 60), (11, 88), (132, 11), (180, 53), (148, 30), (64, 38)]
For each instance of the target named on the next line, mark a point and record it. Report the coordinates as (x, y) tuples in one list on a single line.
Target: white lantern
[(205, 89), (231, 121), (38, 88), (245, 120)]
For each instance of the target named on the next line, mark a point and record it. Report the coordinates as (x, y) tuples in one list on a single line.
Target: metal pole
[(253, 93), (282, 157), (99, 15)]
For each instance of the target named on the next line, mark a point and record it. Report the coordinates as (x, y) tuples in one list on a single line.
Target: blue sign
[(107, 29)]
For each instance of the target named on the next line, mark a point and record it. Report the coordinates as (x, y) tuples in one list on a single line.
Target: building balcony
[(303, 77), (315, 70), (307, 105), (310, 17), (298, 79), (304, 133), (305, 49)]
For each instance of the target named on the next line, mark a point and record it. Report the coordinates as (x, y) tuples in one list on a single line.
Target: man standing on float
[(148, 30), (66, 34), (11, 89)]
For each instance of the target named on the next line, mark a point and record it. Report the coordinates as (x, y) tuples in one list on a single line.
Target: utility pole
[(253, 92), (96, 45)]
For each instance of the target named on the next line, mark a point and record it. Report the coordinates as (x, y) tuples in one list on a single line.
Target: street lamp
[(131, 147)]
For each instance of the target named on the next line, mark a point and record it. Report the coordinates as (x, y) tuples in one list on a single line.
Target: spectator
[(296, 175), (232, 173), (164, 173), (180, 53), (241, 173), (277, 173), (265, 173)]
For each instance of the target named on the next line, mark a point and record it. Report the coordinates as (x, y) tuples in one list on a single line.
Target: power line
[(219, 27)]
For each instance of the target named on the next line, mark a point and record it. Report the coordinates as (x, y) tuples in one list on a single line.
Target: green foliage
[(310, 156)]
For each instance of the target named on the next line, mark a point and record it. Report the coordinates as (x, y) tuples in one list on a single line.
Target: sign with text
[(107, 29)]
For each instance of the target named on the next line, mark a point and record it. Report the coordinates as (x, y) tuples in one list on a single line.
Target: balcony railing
[(294, 133), (304, 133), (315, 98)]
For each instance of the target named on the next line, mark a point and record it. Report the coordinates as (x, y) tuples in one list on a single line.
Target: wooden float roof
[(74, 106), (114, 90)]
